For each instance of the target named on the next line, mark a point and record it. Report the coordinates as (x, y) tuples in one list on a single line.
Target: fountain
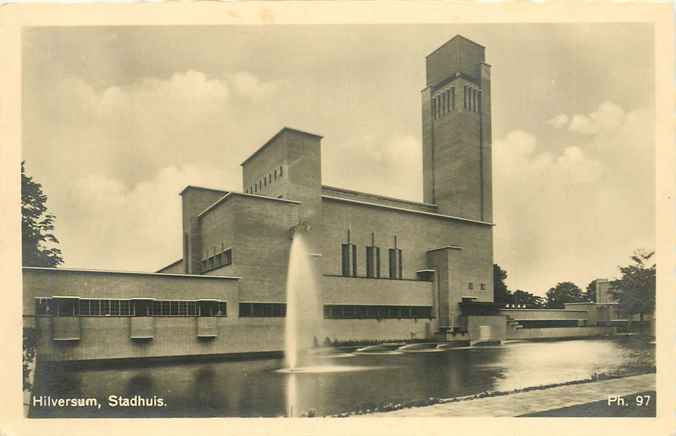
[(303, 309), (303, 326)]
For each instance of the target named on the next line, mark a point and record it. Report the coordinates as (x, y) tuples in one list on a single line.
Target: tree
[(528, 299), (502, 295), (635, 290), (563, 292), (590, 293), (37, 226)]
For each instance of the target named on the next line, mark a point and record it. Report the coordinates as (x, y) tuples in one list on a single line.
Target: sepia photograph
[(385, 220)]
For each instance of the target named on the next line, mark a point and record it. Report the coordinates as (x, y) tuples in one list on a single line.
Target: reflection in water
[(292, 395), (257, 388)]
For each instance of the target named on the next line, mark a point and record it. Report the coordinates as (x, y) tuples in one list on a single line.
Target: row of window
[(443, 103), (472, 99), (335, 311), (73, 306), (217, 260), (349, 263), (262, 310), (266, 180)]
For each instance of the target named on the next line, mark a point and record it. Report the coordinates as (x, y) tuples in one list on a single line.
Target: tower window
[(434, 108), (281, 171), (453, 98), (470, 285)]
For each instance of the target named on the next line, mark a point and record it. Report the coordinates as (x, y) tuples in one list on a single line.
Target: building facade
[(388, 268)]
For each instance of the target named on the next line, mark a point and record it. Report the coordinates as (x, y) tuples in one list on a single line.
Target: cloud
[(102, 224), (558, 121), (606, 119), (249, 86), (381, 164), (131, 131), (576, 213)]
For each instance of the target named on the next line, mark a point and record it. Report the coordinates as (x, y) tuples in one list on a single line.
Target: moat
[(256, 387)]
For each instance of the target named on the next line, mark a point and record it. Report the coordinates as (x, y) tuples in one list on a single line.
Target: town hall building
[(389, 269)]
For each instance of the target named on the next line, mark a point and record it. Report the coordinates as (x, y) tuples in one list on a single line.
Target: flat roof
[(448, 247), (269, 141), (242, 194), (384, 197), (401, 209), (201, 188), (100, 271)]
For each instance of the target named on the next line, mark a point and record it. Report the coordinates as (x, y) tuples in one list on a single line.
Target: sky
[(117, 120)]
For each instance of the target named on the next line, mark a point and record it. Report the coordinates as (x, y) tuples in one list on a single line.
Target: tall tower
[(456, 121)]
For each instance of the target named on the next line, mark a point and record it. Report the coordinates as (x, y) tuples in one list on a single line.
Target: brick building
[(388, 268)]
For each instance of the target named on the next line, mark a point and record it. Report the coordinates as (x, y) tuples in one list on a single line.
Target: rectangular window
[(377, 260), (434, 108), (94, 308), (483, 286), (370, 264), (124, 308), (354, 260), (245, 310), (105, 307), (393, 263), (262, 310), (346, 311), (115, 307), (345, 259), (453, 98), (400, 265), (84, 308), (192, 308), (258, 310), (470, 285)]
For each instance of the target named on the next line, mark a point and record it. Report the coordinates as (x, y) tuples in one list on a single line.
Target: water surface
[(249, 388)]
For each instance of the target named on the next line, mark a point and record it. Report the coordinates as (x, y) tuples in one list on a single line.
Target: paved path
[(533, 401)]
